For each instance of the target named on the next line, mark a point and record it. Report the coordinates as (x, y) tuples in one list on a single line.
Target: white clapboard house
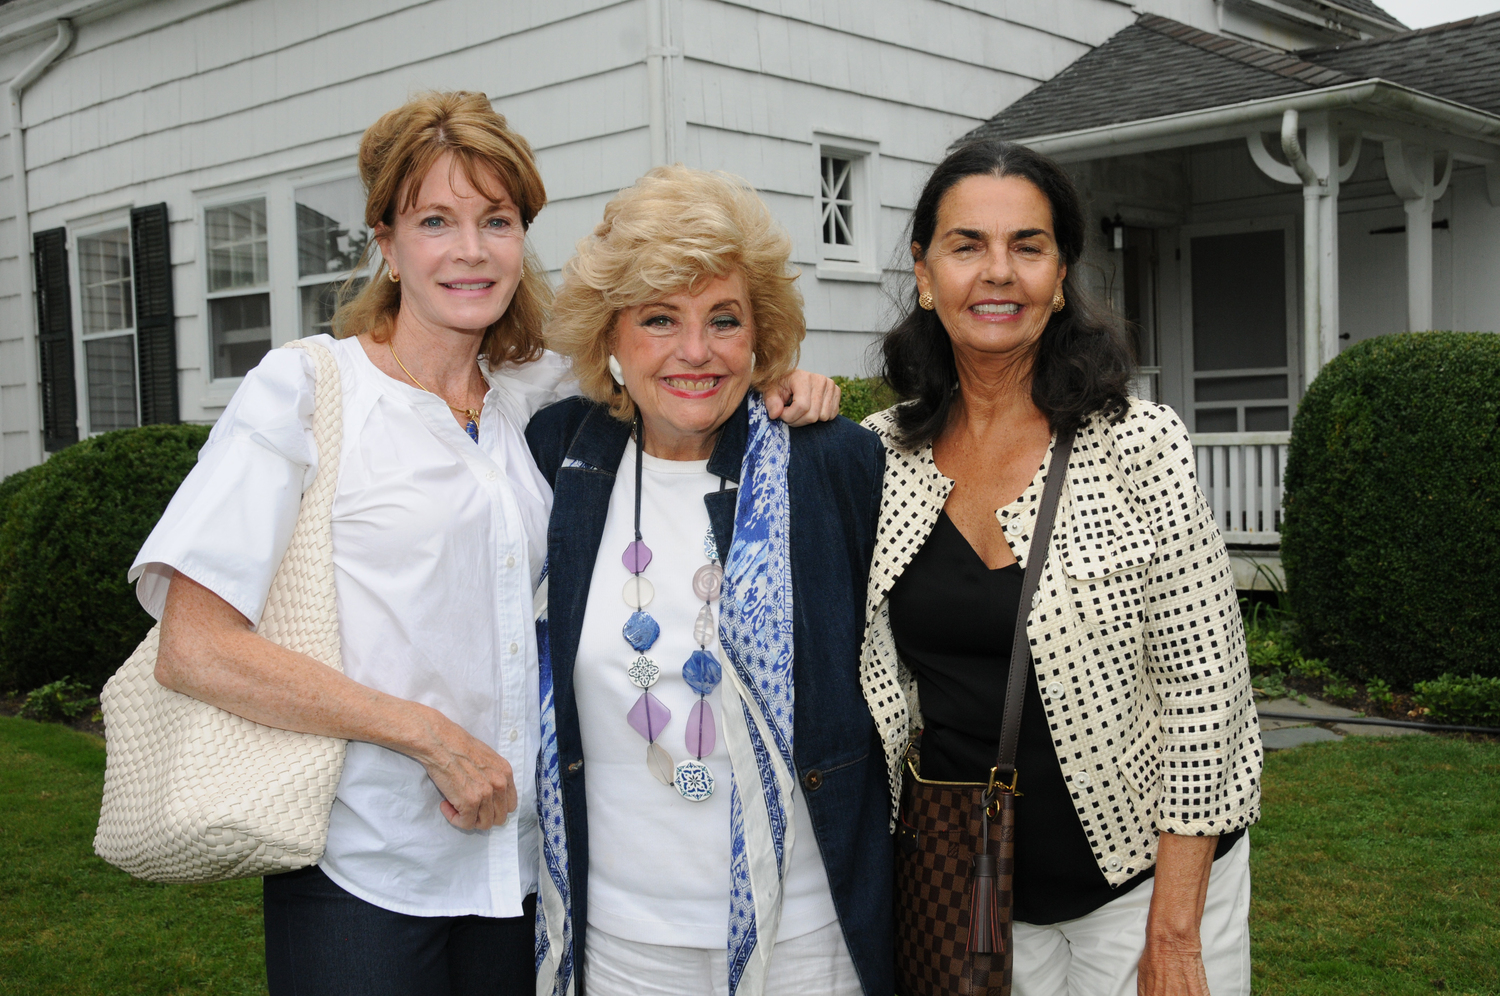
[(177, 190)]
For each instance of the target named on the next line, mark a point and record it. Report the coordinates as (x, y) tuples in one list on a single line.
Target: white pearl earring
[(616, 371)]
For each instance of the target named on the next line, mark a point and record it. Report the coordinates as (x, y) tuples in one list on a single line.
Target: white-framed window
[(331, 241), (277, 255), (239, 285), (106, 310), (847, 207)]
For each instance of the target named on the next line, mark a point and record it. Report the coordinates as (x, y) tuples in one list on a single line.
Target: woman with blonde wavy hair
[(428, 881), (711, 784)]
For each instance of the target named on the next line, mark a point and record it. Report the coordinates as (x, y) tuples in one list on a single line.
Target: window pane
[(241, 332), (111, 373), (1239, 301), (838, 201), (1239, 388), (237, 245), (1218, 420), (1267, 419), (104, 278), (331, 232), (320, 301)]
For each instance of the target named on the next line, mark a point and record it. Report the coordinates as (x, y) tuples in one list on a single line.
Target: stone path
[(1280, 734)]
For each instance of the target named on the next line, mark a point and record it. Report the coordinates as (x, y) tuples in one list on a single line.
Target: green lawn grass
[(69, 923), (1376, 871)]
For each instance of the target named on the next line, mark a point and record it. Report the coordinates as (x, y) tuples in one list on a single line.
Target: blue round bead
[(640, 631), (702, 672)]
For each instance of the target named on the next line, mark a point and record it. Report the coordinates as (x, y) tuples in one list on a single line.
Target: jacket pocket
[(1103, 536)]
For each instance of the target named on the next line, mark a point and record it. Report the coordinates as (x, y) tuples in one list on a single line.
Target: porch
[(1260, 211)]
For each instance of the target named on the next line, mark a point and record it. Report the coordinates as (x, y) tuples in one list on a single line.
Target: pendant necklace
[(471, 426), (649, 717)]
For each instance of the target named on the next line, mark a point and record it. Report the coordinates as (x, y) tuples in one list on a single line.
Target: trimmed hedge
[(71, 528), (863, 396), (1391, 541)]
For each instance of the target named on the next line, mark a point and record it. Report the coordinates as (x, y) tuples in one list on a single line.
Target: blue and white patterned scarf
[(755, 630)]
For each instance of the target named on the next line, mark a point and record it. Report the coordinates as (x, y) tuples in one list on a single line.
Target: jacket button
[(1113, 864), (1055, 690), (813, 780), (1081, 779)]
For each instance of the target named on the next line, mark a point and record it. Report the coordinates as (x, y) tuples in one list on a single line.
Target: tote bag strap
[(1020, 650)]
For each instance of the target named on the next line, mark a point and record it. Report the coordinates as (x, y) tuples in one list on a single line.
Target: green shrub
[(59, 702), (1380, 694), (1471, 701), (73, 529), (13, 485), (1391, 542), (863, 396)]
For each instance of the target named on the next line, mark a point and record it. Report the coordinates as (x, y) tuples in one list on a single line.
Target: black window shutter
[(54, 315), (155, 323)]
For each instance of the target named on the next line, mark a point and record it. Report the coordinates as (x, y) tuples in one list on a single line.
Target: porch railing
[(1241, 473)]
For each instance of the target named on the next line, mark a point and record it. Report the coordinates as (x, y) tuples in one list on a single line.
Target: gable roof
[(1157, 66), (1459, 61), (1369, 9)]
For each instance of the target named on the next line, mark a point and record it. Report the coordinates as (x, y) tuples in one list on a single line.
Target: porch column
[(1410, 171), (1318, 171), (1323, 141)]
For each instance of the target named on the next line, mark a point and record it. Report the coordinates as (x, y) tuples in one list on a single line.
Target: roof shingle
[(1154, 67), (1458, 61), (1157, 66)]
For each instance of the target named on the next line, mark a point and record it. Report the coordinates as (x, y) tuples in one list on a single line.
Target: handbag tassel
[(984, 914)]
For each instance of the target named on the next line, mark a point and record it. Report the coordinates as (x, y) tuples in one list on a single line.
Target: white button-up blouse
[(437, 545)]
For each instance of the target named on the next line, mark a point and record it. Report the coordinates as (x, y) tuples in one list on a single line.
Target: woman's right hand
[(211, 652), (478, 786)]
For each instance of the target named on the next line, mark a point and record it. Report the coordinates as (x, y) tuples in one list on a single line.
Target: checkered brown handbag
[(955, 841)]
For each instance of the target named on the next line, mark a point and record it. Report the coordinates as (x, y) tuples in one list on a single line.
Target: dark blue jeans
[(322, 941)]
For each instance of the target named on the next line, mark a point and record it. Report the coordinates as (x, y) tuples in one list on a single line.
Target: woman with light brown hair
[(428, 881)]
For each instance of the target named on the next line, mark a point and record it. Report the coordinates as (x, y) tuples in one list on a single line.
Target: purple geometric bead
[(648, 716), (701, 733), (637, 557)]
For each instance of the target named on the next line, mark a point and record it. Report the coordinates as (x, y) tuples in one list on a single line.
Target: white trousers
[(815, 964), (1097, 954)]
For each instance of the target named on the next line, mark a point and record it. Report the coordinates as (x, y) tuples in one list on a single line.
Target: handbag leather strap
[(1020, 650)]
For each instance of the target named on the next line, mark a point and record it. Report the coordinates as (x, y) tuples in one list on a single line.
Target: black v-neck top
[(954, 619)]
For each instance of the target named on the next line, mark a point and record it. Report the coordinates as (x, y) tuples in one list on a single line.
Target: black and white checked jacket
[(1135, 630)]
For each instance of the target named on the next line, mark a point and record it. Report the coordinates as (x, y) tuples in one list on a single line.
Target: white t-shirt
[(659, 864), (437, 545)]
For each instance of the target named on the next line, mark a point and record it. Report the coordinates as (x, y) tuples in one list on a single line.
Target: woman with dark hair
[(1139, 752)]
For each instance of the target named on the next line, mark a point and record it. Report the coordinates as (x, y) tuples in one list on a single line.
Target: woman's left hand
[(1172, 962), (803, 398), (1169, 969)]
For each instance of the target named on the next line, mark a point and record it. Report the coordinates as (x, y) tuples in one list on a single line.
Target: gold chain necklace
[(471, 426)]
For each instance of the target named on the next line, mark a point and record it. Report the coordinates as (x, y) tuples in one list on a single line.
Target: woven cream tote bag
[(195, 794)]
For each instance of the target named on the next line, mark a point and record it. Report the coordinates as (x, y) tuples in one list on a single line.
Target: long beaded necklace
[(471, 426), (649, 717)]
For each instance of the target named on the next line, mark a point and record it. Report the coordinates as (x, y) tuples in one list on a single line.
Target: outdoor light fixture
[(1114, 229)]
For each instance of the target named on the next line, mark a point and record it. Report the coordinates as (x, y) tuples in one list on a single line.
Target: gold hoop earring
[(925, 300), (395, 277), (1058, 301)]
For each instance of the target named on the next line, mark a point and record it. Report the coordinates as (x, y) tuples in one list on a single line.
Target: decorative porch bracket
[(1410, 170), (1319, 171)]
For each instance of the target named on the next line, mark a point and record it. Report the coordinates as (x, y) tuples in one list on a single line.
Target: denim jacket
[(835, 480)]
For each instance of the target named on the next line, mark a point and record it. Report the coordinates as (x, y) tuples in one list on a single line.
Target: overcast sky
[(1424, 13)]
